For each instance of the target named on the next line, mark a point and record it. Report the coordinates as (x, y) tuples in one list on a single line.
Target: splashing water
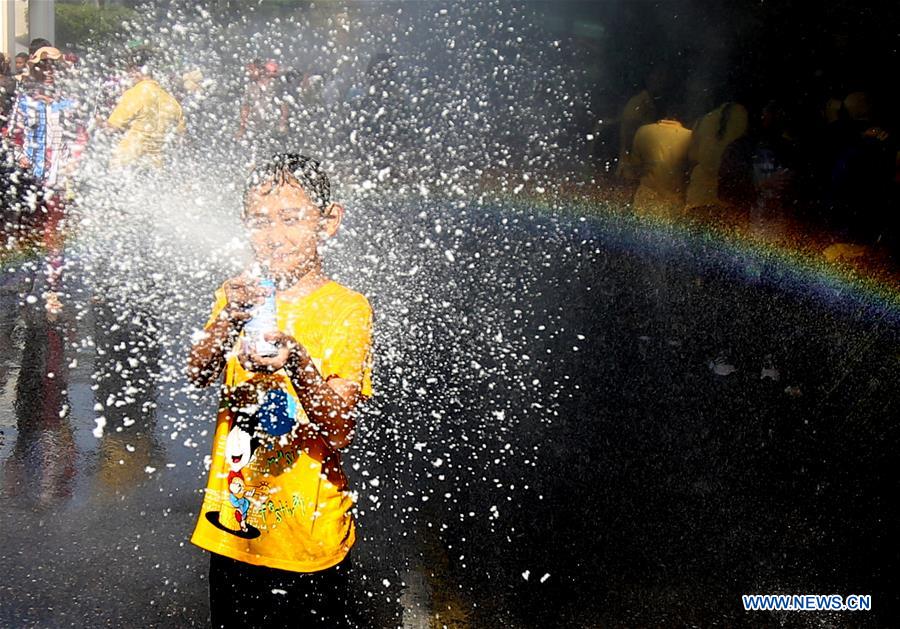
[(407, 138), (430, 121)]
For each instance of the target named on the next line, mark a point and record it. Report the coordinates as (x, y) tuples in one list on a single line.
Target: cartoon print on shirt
[(242, 441), (239, 495), (241, 445)]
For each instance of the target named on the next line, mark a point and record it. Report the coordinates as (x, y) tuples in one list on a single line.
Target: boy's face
[(286, 228), (20, 63), (45, 72)]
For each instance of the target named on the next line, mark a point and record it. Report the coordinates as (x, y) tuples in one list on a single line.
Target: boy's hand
[(270, 364), (243, 293)]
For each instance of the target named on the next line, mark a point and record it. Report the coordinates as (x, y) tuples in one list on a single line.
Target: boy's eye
[(258, 222)]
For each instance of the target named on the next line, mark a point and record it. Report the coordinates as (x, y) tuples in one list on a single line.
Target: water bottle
[(263, 320)]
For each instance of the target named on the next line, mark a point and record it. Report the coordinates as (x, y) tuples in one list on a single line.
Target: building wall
[(21, 21)]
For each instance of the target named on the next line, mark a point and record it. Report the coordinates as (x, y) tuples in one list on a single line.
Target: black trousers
[(245, 596)]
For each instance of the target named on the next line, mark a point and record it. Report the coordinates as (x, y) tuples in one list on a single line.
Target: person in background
[(44, 139), (659, 155), (36, 44), (38, 117), (861, 190), (148, 115), (21, 63), (709, 139), (756, 169)]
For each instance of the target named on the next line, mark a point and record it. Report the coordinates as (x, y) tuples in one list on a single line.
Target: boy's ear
[(332, 218)]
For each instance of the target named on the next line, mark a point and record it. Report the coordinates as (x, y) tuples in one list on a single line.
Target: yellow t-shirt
[(277, 495), (706, 151), (149, 115), (660, 153)]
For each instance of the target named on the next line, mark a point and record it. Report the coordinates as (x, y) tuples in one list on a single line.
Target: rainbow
[(794, 260)]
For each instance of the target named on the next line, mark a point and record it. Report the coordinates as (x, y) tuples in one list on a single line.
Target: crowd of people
[(47, 123), (750, 153), (131, 108), (131, 117), (837, 167)]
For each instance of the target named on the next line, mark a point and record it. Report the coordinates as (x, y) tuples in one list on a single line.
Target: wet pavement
[(576, 423)]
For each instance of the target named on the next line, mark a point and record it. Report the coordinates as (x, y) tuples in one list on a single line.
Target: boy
[(277, 497), (21, 64)]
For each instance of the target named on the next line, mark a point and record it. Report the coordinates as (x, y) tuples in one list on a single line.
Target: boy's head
[(289, 213), (270, 68), (253, 68), (44, 64), (21, 62), (37, 43), (139, 63)]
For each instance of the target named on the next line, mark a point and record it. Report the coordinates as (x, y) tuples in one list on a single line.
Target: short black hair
[(140, 59), (36, 44), (22, 55), (292, 168)]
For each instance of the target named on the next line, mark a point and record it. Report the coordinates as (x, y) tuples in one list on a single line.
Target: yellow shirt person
[(150, 117), (660, 154), (711, 136), (284, 502)]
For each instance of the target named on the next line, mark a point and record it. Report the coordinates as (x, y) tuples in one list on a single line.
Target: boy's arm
[(232, 311), (330, 391), (207, 357), (126, 109), (328, 403)]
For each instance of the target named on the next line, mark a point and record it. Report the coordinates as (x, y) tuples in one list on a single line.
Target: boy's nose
[(267, 238)]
